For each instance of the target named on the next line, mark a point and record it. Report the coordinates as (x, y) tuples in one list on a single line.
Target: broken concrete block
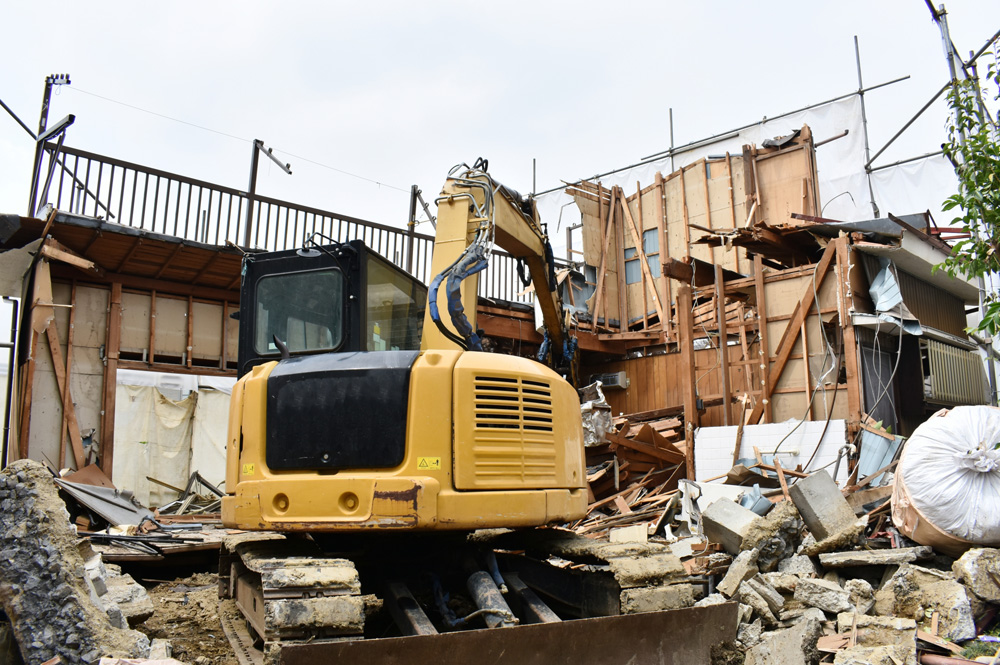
[(768, 593), (875, 557), (799, 565), (781, 582), (823, 508), (875, 631), (748, 634), (95, 570), (776, 536), (635, 533), (652, 569), (131, 597), (712, 599), (160, 649), (656, 598), (760, 607), (825, 595), (861, 593), (743, 567), (725, 522), (979, 570), (917, 593), (789, 646), (745, 613), (859, 655)]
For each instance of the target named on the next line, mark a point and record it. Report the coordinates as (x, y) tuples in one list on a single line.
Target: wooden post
[(765, 350), (225, 337), (190, 330), (151, 356), (850, 340), (642, 253), (112, 344), (620, 241), (661, 228), (720, 297), (69, 420), (805, 366), (601, 300), (732, 204), (69, 372), (684, 210), (685, 341), (27, 387), (708, 204), (642, 259)]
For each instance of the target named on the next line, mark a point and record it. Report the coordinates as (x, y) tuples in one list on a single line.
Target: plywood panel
[(171, 327), (135, 322), (207, 343), (783, 181)]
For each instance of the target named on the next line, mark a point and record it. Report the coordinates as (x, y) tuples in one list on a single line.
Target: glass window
[(304, 310), (395, 308), (633, 272), (650, 242)]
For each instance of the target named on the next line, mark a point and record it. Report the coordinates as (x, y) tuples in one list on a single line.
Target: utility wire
[(238, 138)]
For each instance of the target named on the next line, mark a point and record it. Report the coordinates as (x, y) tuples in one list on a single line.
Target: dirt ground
[(187, 614)]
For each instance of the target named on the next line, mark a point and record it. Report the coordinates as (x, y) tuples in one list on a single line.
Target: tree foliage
[(974, 149)]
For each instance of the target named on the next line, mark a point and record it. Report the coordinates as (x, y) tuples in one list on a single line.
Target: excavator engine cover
[(339, 410)]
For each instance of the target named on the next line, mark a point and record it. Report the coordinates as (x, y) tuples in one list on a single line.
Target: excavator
[(372, 441)]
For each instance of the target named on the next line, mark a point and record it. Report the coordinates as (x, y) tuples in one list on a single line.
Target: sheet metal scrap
[(116, 506)]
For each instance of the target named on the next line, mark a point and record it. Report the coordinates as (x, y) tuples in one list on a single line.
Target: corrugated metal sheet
[(956, 376), (933, 306)]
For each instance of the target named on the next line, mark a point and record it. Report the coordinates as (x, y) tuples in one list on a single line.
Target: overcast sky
[(398, 92)]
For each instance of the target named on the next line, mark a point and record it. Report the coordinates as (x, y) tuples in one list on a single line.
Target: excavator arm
[(476, 213)]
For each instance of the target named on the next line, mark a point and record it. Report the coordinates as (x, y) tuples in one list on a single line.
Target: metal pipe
[(907, 126), (864, 125), (486, 595), (11, 359), (907, 161)]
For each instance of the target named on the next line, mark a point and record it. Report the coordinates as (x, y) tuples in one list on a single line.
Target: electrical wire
[(238, 138)]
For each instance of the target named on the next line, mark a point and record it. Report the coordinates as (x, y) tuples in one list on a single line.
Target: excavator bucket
[(681, 637)]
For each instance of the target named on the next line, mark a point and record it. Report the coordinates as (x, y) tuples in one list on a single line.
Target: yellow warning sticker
[(248, 469), (429, 463)]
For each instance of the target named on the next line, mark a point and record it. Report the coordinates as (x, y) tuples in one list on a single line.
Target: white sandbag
[(950, 469)]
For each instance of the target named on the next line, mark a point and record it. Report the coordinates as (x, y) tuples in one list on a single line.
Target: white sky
[(398, 92)]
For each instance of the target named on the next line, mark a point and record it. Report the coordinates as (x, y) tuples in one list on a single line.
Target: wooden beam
[(765, 350), (708, 205), (684, 210), (792, 329), (850, 339), (69, 372), (618, 221), (685, 340), (642, 252), (225, 337), (600, 299), (51, 249), (27, 388), (112, 345), (69, 410), (720, 297), (208, 264), (148, 284), (732, 203), (166, 264), (129, 255), (151, 355), (661, 228), (190, 331), (647, 449)]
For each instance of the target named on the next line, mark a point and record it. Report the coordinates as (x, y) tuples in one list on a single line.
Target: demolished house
[(752, 362)]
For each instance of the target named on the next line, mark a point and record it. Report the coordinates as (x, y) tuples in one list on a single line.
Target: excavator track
[(294, 593)]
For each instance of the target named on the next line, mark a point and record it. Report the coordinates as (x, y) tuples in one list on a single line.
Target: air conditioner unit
[(611, 380)]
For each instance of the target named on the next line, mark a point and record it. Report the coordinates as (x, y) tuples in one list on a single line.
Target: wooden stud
[(223, 361), (69, 373), (129, 255), (643, 264), (792, 330), (27, 388), (805, 368), (708, 205), (112, 344), (739, 432), (720, 297), (781, 479), (684, 209), (661, 227), (600, 300), (732, 203), (850, 340), (685, 340), (642, 251), (151, 355), (69, 410), (619, 224), (190, 331), (170, 259), (765, 350)]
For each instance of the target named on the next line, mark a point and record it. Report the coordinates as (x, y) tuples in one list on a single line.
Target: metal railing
[(93, 185)]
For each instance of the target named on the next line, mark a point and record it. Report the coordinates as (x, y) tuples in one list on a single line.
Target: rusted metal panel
[(681, 637)]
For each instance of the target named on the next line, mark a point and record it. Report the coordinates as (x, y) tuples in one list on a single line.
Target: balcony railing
[(142, 197)]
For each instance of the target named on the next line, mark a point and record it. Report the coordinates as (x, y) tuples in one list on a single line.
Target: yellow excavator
[(366, 405)]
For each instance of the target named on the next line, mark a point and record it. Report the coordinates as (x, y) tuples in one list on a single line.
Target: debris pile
[(54, 591)]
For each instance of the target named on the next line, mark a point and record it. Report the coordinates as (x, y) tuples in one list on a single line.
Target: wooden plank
[(641, 250), (620, 259), (27, 389), (52, 250), (805, 368), (64, 429), (190, 332), (225, 337), (600, 299), (113, 339), (792, 330), (661, 228), (642, 260), (720, 296), (622, 506), (69, 410), (708, 206), (647, 449), (781, 479)]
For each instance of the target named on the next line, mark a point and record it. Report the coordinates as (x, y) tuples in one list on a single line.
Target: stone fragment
[(979, 570), (160, 649), (783, 583), (822, 507), (743, 567), (792, 616), (861, 593), (130, 597), (799, 565), (859, 655), (635, 533), (917, 593), (774, 600), (748, 634), (712, 599), (789, 646), (875, 631), (726, 522), (825, 595), (832, 576), (776, 536), (760, 607), (654, 599), (875, 557)]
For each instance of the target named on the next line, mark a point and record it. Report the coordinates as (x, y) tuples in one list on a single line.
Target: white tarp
[(168, 440)]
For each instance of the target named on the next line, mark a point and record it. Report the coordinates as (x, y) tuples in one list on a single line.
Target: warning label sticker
[(248, 469), (429, 463)]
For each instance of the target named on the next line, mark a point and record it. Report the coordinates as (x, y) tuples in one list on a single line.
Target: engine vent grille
[(514, 436)]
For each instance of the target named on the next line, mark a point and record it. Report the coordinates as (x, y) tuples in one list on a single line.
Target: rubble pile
[(53, 590)]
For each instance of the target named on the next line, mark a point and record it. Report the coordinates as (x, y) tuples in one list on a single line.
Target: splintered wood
[(633, 476)]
